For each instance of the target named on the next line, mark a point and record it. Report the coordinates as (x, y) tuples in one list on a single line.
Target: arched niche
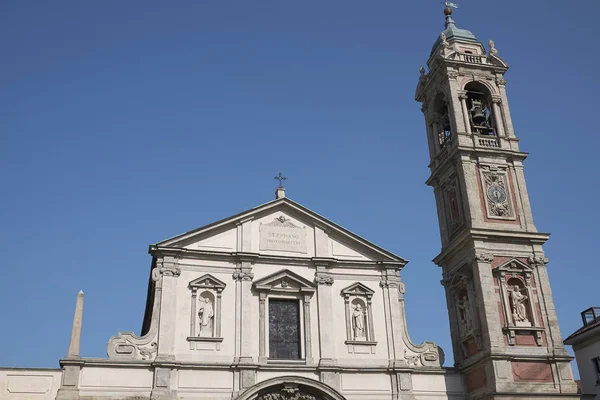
[(440, 120), (360, 334), (290, 388), (205, 313), (480, 108), (518, 300)]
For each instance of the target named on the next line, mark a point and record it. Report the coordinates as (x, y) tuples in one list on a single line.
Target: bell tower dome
[(504, 329)]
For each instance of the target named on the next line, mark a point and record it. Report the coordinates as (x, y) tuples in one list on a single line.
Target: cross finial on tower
[(280, 178)]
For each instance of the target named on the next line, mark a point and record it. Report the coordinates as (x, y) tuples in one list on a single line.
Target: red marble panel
[(525, 340), (531, 371), (476, 379), (471, 348)]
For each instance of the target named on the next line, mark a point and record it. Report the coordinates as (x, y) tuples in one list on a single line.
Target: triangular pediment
[(284, 281), (357, 288), (281, 227), (514, 265), (207, 282)]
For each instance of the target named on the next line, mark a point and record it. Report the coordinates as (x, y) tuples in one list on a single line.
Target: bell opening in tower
[(479, 104), (442, 121)]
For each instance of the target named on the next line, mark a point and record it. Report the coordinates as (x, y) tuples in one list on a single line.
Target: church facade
[(280, 303), (273, 303)]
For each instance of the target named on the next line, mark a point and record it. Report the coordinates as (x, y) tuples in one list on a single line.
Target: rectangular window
[(596, 362), (284, 329)]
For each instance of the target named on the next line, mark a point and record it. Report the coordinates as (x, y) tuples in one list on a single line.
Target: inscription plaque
[(283, 238)]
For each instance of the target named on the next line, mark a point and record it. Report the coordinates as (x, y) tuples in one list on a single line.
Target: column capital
[(243, 275), (535, 261), (243, 270), (323, 278), (390, 278), (167, 266), (483, 257)]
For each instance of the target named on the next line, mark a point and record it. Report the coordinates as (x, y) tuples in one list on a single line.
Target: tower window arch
[(441, 120), (479, 105)]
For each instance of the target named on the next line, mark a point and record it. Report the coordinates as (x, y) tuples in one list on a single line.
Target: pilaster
[(168, 268), (246, 362), (539, 262), (165, 370), (243, 274), (390, 282), (324, 280), (510, 132), (455, 107), (485, 299)]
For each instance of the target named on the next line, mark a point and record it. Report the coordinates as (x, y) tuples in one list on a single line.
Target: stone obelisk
[(75, 343)]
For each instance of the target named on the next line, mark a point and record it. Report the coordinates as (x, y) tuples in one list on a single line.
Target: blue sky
[(125, 123)]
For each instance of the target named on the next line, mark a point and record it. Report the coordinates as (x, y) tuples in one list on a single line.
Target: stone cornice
[(489, 235), (263, 258), (103, 362), (503, 355), (453, 155), (455, 65)]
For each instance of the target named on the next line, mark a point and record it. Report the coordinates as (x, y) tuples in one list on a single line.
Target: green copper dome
[(452, 32)]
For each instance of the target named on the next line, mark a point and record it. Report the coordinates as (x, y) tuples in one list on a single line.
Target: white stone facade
[(29, 383), (207, 331)]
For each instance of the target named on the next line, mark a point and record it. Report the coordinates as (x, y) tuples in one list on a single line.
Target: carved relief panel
[(205, 318), (360, 336), (517, 297), (496, 193)]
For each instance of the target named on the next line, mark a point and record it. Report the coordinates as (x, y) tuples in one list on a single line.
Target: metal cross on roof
[(280, 178)]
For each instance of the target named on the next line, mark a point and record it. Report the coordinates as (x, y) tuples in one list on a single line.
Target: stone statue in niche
[(358, 322), (519, 312), (205, 316), (466, 316)]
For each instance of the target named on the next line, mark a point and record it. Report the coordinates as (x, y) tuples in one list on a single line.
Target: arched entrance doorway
[(290, 388)]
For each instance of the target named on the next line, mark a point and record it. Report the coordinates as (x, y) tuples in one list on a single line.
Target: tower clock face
[(496, 194)]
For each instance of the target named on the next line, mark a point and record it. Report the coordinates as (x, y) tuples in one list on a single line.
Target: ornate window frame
[(285, 284), (359, 293), (206, 284), (519, 270)]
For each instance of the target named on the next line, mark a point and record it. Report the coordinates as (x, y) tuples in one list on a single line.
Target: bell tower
[(504, 328)]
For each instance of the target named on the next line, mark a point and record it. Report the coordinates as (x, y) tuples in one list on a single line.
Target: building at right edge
[(586, 344), (505, 333)]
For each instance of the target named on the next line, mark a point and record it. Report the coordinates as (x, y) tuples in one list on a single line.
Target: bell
[(477, 115)]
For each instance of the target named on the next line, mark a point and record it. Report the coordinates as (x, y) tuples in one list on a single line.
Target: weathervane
[(280, 178), (449, 4)]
